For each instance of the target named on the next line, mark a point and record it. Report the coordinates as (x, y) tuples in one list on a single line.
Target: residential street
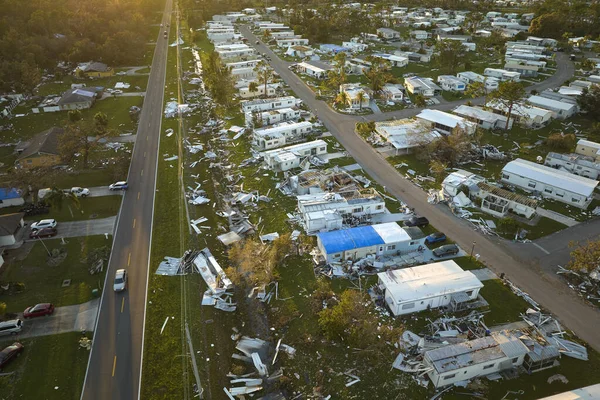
[(114, 368), (520, 267)]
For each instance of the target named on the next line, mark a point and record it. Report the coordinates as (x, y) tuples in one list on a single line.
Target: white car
[(121, 185), (80, 192), (120, 283), (45, 223)]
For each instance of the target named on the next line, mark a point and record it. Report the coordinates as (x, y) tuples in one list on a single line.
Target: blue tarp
[(348, 239), (333, 48), (7, 194)]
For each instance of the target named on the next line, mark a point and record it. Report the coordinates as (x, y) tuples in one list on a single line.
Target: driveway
[(101, 226), (101, 191), (498, 255), (80, 317)]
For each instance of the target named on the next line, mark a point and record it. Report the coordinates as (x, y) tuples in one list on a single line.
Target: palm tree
[(264, 73), (266, 35), (56, 198), (253, 87), (361, 96), (342, 98)]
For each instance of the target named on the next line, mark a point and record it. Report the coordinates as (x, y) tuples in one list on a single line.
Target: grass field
[(50, 367), (42, 283), (59, 86), (88, 208)]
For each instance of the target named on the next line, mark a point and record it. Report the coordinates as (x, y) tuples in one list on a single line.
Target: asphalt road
[(114, 367), (497, 255)]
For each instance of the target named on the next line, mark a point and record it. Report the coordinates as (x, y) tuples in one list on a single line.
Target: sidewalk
[(563, 219)]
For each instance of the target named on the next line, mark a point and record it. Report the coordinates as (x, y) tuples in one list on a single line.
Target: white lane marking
[(541, 248)]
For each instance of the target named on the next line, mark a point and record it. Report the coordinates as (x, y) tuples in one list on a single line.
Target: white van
[(11, 327)]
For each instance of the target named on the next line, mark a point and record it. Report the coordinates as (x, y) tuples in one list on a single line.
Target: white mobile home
[(358, 98), (285, 43), (245, 92), (588, 148), (290, 157), (315, 69), (484, 119), (406, 134), (388, 34), (357, 66), (269, 104), (281, 134), (392, 92), (524, 70), (560, 109), (451, 83), (355, 47), (470, 77), (445, 122), (379, 240), (480, 357), (272, 116), (549, 182), (320, 210), (416, 289), (524, 114), (502, 74), (10, 197), (575, 164), (394, 60), (422, 86)]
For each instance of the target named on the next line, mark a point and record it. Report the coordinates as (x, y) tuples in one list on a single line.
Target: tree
[(561, 141), (589, 101), (264, 74), (438, 169), (508, 94), (31, 180), (80, 137), (342, 98), (253, 87), (361, 96), (450, 150), (450, 54), (584, 257), (75, 115), (365, 129), (266, 36), (477, 89), (218, 79), (550, 25), (56, 198), (377, 73), (420, 100)]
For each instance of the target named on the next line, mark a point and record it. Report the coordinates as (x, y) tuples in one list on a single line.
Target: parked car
[(9, 353), (257, 42), (417, 221), (39, 310), (121, 185), (45, 223), (435, 237), (446, 250), (80, 192), (120, 283), (44, 232), (11, 327)]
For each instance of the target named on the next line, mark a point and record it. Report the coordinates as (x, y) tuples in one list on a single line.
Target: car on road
[(11, 327), (80, 192), (417, 221), (120, 283), (435, 238), (257, 42), (10, 352), (121, 185), (45, 223), (43, 233), (446, 250), (39, 310)]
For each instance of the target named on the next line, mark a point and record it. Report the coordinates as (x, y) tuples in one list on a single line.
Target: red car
[(44, 232), (9, 353), (39, 310)]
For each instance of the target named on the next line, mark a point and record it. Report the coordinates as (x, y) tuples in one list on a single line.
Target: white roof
[(585, 393), (393, 88), (479, 113), (391, 232), (406, 133), (588, 143), (543, 101), (552, 177), (429, 280), (441, 117)]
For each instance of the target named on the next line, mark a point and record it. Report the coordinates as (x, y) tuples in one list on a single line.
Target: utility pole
[(472, 249)]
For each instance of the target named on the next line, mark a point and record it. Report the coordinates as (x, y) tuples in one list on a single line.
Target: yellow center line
[(144, 154), (128, 259), (122, 307), (146, 137), (142, 174), (134, 222), (114, 365), (138, 195)]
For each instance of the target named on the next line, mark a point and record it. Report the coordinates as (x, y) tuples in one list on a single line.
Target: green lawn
[(42, 283), (60, 85), (467, 263), (89, 178), (505, 306), (25, 127), (50, 368)]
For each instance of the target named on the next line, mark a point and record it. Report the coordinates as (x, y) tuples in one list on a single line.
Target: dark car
[(446, 250), (9, 353), (435, 238), (44, 232), (417, 221), (39, 310)]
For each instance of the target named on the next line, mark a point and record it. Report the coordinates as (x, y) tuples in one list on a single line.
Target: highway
[(521, 268), (114, 366)]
